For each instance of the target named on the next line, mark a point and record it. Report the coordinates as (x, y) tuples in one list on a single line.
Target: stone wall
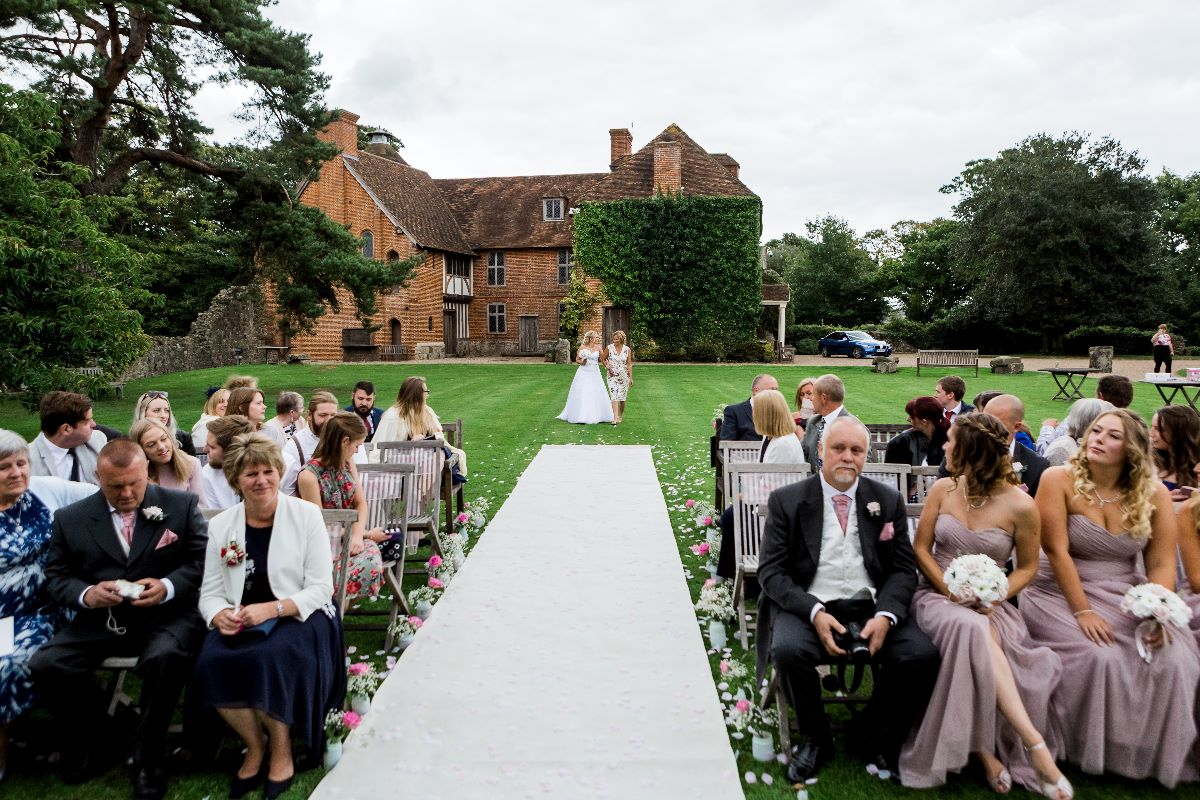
[(500, 347), (236, 318)]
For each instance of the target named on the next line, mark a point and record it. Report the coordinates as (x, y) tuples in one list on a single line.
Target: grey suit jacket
[(811, 437), (41, 461)]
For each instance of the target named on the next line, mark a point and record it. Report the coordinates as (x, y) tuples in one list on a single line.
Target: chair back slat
[(453, 431), (924, 479), (751, 485), (340, 522), (386, 488), (427, 456), (893, 475), (734, 452), (914, 511)]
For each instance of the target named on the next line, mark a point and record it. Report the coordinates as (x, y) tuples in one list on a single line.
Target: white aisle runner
[(564, 660)]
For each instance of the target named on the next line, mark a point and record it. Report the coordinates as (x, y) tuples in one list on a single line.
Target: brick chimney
[(668, 167), (727, 161), (621, 144), (342, 131)]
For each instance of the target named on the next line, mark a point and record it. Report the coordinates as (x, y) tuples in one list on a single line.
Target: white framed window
[(368, 244), (552, 208), (496, 320), (564, 267), (496, 268)]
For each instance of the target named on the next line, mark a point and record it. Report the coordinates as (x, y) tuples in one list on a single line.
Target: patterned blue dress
[(24, 549)]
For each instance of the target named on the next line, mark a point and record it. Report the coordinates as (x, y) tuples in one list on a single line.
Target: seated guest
[(273, 659), (835, 551), (983, 397), (994, 683), (920, 445), (289, 407), (1028, 464), (411, 418), (1189, 556), (214, 408), (948, 393), (248, 403), (215, 491), (321, 408), (156, 406), (829, 393), (1104, 515), (1078, 422), (129, 532), (69, 443), (1175, 438), (26, 507), (168, 466), (362, 402), (804, 404), (738, 423), (1116, 389), (330, 480), (240, 382), (780, 445)]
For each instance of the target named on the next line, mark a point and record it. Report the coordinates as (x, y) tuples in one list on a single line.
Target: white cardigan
[(300, 567)]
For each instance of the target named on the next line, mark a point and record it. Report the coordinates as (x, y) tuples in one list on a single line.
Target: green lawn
[(509, 413)]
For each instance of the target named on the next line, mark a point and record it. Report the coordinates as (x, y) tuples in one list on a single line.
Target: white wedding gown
[(588, 401)]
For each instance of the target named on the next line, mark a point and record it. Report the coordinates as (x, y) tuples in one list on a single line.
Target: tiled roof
[(507, 212), (702, 174), (410, 199)]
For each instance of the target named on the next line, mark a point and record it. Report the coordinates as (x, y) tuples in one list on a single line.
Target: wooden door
[(450, 332), (527, 339), (615, 319)]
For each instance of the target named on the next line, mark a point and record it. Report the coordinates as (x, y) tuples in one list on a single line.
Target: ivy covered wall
[(687, 268)]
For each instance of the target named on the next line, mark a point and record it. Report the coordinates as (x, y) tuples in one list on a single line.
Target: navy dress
[(24, 548), (295, 674)]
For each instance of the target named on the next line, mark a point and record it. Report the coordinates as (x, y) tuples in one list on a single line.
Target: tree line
[(1053, 244)]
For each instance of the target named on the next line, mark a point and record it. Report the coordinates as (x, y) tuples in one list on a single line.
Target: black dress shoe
[(240, 787), (276, 788), (150, 784), (807, 761), (82, 769)]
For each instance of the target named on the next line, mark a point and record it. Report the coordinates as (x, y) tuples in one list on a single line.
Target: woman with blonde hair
[(410, 418), (994, 683), (587, 401), (168, 465), (804, 403), (1100, 512), (214, 408), (618, 363), (157, 405)]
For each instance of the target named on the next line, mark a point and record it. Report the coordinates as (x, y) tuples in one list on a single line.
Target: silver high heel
[(1061, 790)]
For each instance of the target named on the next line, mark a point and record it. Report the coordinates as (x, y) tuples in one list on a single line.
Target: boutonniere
[(153, 513), (1018, 467), (233, 554), (873, 508)]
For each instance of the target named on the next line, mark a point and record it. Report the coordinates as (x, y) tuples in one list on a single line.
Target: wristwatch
[(279, 608)]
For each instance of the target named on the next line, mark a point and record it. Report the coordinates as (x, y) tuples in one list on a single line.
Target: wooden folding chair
[(732, 452), (914, 511), (893, 475), (388, 489), (424, 503), (749, 487), (340, 522), (925, 478), (453, 431)]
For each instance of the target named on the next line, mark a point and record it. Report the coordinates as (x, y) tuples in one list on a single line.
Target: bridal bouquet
[(976, 579), (715, 601), (1157, 607)]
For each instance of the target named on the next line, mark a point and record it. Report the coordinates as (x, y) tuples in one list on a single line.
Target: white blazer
[(300, 568)]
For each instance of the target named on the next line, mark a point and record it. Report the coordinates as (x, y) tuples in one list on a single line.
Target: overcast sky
[(861, 109)]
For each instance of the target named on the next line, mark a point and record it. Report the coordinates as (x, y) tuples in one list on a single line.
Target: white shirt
[(215, 491), (62, 460), (293, 461), (784, 450), (118, 524), (954, 412)]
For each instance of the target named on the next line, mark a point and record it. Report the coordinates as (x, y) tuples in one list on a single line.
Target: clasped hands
[(105, 594), (232, 621), (873, 633)]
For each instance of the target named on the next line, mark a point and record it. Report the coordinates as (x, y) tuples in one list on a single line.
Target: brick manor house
[(498, 251)]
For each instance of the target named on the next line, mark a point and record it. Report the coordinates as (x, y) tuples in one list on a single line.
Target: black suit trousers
[(908, 667), (64, 673)]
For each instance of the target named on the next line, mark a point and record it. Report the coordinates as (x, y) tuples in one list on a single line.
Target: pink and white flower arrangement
[(753, 717), (439, 570), (976, 580), (715, 601), (424, 594), (703, 550), (406, 627), (702, 512), (338, 724), (362, 679), (732, 670)]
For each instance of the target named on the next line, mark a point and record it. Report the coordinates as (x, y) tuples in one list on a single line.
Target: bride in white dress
[(587, 401)]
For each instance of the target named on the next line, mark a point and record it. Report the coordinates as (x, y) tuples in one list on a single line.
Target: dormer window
[(552, 209)]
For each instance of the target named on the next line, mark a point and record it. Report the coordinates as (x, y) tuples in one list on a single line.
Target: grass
[(509, 413)]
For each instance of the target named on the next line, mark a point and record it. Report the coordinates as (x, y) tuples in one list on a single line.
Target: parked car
[(855, 344)]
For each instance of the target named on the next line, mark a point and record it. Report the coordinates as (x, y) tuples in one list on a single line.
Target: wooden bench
[(948, 358), (117, 387), (392, 352)]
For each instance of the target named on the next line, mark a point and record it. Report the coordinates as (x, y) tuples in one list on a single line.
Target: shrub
[(752, 351), (1125, 341), (805, 347), (704, 351)]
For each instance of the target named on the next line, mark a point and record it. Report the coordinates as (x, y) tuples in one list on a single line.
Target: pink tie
[(127, 526), (841, 507)]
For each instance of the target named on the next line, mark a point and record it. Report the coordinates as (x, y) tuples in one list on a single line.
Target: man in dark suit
[(738, 423), (128, 533), (835, 552), (1009, 409), (362, 402), (949, 392), (829, 396)]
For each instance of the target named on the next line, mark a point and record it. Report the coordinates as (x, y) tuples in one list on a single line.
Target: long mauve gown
[(962, 716), (1116, 713)]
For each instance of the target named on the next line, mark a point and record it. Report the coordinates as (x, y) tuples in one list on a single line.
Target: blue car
[(855, 344)]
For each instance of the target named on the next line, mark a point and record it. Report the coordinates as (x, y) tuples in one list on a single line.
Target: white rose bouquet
[(976, 580), (1157, 606)]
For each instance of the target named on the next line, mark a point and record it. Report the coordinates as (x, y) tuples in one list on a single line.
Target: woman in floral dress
[(618, 361), (27, 506), (336, 486)]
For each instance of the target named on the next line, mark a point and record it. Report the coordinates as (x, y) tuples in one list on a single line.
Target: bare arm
[(1160, 552), (923, 542), (1027, 536), (1189, 542), (309, 489)]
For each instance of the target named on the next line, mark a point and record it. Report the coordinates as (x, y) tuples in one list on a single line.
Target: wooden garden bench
[(948, 358)]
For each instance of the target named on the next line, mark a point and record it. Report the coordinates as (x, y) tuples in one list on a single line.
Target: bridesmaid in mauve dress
[(1102, 510), (989, 664), (1189, 556)]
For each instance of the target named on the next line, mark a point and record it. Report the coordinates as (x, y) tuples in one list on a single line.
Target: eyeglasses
[(156, 395), (426, 391)]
